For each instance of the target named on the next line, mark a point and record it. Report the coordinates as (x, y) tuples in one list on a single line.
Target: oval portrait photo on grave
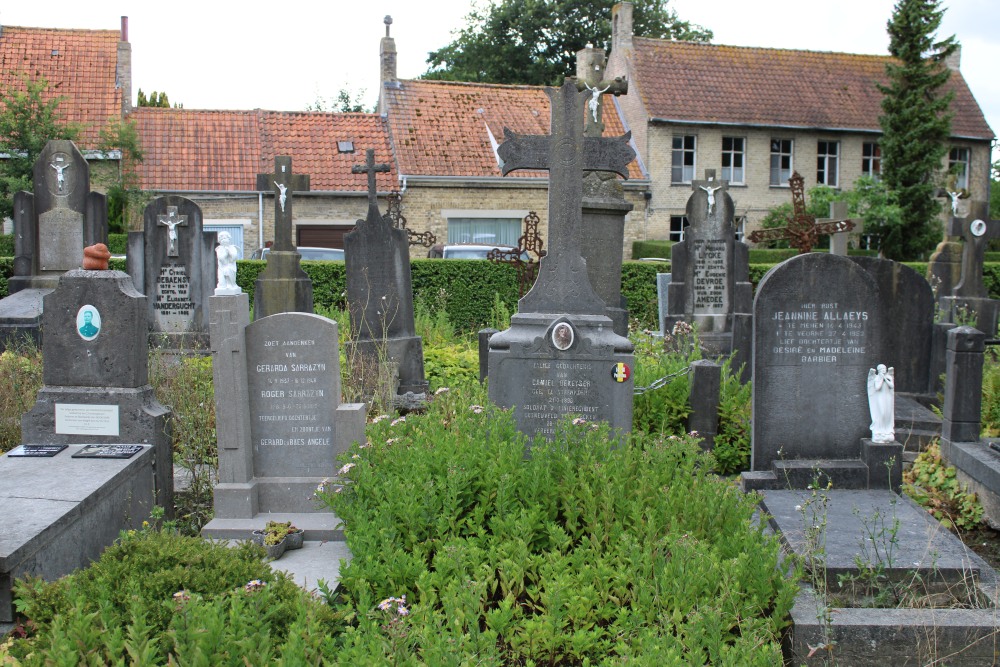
[(563, 336), (88, 322)]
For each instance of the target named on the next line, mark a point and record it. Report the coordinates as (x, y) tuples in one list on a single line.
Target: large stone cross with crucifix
[(977, 229), (172, 221), (283, 183), (371, 169), (563, 285), (802, 230), (590, 77)]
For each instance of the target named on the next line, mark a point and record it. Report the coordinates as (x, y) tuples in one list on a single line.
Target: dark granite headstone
[(710, 268), (283, 286), (51, 228), (280, 422), (817, 331), (560, 355), (969, 301), (380, 298), (95, 371), (173, 260)]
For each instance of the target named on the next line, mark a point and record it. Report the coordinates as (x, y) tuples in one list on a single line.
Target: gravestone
[(818, 329), (280, 423), (839, 240), (283, 286), (52, 225), (969, 300), (97, 449), (560, 355), (380, 302), (663, 281), (604, 205), (710, 287), (173, 260)]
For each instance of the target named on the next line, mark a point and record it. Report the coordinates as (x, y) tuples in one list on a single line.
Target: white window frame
[(871, 160), (498, 214), (732, 153), (783, 174), (960, 155), (687, 171), (828, 163), (678, 235)]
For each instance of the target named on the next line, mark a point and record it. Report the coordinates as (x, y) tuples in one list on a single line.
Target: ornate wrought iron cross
[(529, 242), (802, 231)]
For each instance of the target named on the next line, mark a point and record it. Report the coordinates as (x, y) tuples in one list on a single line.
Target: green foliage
[(639, 290), (6, 245), (118, 243), (344, 102), (535, 41), (21, 378), (29, 118), (818, 201), (732, 443), (916, 124), (469, 286), (126, 201), (186, 386), (934, 485), (991, 397), (159, 598), (154, 99), (651, 248), (664, 410), (590, 550), (450, 364), (995, 191)]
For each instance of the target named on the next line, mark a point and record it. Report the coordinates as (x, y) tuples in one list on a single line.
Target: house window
[(683, 159), (678, 223), (781, 161), (826, 162), (740, 223), (958, 165), (484, 231), (871, 160), (732, 159)]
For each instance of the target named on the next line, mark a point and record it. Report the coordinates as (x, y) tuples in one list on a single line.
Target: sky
[(207, 56)]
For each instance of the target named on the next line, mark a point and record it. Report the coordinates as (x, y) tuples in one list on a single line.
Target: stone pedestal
[(282, 287), (604, 211)]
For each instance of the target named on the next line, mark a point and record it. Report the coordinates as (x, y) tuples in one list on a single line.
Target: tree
[(344, 103), (535, 41), (916, 125), (126, 200), (155, 99), (995, 191), (28, 120)]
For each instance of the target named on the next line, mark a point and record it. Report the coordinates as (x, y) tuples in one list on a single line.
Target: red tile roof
[(685, 81), (439, 127), (80, 65), (221, 151)]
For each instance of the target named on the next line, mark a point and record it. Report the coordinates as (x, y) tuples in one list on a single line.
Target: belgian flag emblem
[(621, 372)]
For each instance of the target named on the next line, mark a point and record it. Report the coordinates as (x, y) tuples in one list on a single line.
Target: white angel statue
[(882, 403)]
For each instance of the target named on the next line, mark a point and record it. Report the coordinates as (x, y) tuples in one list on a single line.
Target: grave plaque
[(108, 452), (817, 331), (293, 377), (36, 451)]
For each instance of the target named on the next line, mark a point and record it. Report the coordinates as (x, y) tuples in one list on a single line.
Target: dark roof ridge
[(882, 56)]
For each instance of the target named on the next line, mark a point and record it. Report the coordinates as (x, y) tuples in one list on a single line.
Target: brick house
[(444, 135), (756, 115), (213, 158)]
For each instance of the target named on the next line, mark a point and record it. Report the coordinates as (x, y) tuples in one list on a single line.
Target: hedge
[(117, 243), (467, 287)]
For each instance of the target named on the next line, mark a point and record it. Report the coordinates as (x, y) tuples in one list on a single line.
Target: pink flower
[(441, 390), (397, 421), (578, 421), (478, 409), (346, 469), (379, 418), (254, 585)]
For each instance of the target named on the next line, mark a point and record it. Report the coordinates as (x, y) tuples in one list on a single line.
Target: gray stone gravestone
[(604, 205), (663, 281), (839, 240), (818, 329), (173, 260), (280, 423), (380, 302), (283, 286), (67, 216), (64, 509), (560, 355), (710, 269), (969, 301)]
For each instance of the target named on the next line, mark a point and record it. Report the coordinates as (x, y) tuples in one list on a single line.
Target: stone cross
[(838, 240), (283, 183), (802, 230), (563, 285), (171, 221), (977, 229), (594, 124), (715, 190), (371, 169)]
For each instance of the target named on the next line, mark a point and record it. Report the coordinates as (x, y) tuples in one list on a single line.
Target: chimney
[(123, 73), (590, 63), (954, 61), (387, 65), (621, 27)]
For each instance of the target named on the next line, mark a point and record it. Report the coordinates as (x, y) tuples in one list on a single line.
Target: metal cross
[(529, 242), (802, 230), (371, 169), (394, 211), (977, 229), (171, 220)]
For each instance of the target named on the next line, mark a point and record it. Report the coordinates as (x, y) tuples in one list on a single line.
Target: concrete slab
[(923, 545), (316, 560), (321, 526)]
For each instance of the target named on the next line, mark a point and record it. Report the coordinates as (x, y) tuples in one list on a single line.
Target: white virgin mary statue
[(882, 403)]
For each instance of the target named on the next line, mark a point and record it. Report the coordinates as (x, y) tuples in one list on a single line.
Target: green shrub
[(991, 397), (732, 442), (118, 244), (450, 365), (662, 411), (593, 549), (21, 377), (639, 289), (160, 598), (6, 245), (934, 484), (651, 248)]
